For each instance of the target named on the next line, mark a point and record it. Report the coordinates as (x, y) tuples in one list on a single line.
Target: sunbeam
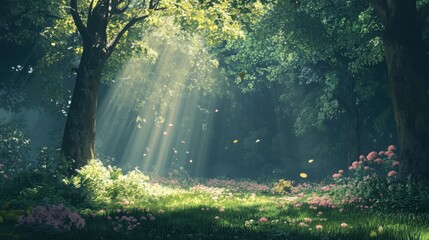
[(155, 115)]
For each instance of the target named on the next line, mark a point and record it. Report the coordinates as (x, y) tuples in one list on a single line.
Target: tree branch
[(111, 46), (78, 21), (424, 12)]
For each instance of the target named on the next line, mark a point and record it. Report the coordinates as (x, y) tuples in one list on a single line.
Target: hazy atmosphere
[(214, 119)]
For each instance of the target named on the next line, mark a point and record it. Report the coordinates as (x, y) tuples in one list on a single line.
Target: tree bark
[(79, 133), (408, 64)]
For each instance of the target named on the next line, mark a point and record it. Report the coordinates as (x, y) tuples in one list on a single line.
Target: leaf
[(310, 161), (303, 175), (235, 141), (257, 140)]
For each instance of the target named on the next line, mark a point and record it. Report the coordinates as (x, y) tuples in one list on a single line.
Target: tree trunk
[(408, 64), (79, 133)]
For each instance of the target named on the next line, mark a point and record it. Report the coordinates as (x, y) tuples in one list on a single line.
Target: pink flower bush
[(319, 227), (53, 218), (263, 220), (392, 173)]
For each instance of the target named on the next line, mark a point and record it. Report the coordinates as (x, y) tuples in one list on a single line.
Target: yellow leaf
[(235, 141), (310, 161), (303, 175)]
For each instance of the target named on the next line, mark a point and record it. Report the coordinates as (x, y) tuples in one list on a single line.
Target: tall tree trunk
[(408, 69), (79, 133)]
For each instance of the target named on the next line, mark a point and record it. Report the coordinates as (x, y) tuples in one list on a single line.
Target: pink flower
[(395, 163), (362, 157), (336, 175), (262, 219), (372, 155), (308, 220), (341, 172), (344, 225), (391, 148), (351, 168), (355, 164), (319, 227), (381, 153), (379, 161), (392, 173)]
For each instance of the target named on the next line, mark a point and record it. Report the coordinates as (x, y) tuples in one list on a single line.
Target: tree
[(325, 59), (102, 18), (407, 58)]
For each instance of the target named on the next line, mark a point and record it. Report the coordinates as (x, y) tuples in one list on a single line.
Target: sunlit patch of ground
[(195, 209)]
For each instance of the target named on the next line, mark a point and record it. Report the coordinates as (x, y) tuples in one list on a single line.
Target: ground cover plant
[(368, 204)]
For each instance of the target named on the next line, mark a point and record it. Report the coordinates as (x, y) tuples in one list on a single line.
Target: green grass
[(182, 217)]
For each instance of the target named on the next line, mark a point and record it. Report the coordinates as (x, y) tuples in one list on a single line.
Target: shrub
[(14, 151), (107, 185), (373, 178), (282, 187), (51, 219)]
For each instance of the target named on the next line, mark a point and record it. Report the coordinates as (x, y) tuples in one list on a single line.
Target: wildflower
[(341, 171), (366, 168), (319, 214), (392, 173), (379, 161), (302, 224), (344, 225), (362, 157), (336, 175), (372, 155), (395, 163), (308, 220), (319, 227), (373, 234), (262, 219), (161, 211), (355, 164), (391, 148), (217, 217), (222, 210)]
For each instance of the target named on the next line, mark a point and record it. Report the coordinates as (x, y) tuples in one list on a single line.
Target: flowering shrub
[(373, 183), (51, 219)]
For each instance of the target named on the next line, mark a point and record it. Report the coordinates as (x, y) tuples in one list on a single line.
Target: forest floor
[(237, 210)]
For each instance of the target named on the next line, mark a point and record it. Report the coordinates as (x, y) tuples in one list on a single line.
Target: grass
[(203, 212)]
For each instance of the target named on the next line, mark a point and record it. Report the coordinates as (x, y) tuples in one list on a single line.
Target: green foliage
[(107, 185), (14, 152), (282, 187)]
